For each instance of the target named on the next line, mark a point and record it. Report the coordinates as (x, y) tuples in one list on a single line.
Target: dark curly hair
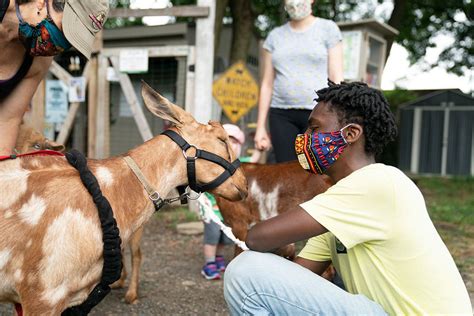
[(355, 102)]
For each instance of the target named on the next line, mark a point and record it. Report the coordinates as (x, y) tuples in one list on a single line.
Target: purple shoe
[(210, 272), (220, 263)]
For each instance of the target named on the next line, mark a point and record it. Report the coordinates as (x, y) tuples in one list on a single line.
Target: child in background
[(214, 238)]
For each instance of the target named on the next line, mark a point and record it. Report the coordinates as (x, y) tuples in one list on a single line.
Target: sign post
[(236, 91)]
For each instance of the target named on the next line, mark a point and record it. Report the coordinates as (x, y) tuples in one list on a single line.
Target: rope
[(207, 215)]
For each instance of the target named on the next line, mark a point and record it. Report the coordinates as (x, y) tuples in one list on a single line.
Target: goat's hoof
[(131, 298), (119, 284)]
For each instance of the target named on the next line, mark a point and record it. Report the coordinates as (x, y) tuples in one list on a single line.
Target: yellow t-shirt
[(387, 247)]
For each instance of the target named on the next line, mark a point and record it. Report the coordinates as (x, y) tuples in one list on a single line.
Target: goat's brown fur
[(30, 140)]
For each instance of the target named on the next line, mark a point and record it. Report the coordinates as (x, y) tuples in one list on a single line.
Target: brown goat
[(30, 140), (50, 237)]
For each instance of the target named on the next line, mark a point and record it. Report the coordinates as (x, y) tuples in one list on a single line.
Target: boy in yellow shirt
[(372, 225)]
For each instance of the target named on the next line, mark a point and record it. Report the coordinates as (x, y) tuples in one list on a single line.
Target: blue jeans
[(265, 284)]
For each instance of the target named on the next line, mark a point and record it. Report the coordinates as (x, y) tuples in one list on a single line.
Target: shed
[(437, 134)]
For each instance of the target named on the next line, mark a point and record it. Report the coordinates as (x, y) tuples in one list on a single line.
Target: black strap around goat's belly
[(112, 253)]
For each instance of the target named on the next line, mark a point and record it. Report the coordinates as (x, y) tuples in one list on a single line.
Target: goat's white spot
[(54, 295), (8, 214), (35, 163), (29, 243), (32, 210), (104, 176), (267, 202), (73, 242), (18, 275), (4, 257), (14, 182)]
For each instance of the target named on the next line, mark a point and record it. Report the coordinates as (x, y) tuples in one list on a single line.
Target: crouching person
[(372, 225)]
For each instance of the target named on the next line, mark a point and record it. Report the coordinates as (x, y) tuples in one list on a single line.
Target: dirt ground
[(171, 283)]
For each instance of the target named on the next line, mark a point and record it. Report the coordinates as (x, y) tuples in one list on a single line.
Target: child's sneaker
[(210, 272), (220, 263)]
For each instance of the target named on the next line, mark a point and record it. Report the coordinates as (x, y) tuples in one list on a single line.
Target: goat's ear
[(163, 108), (55, 146)]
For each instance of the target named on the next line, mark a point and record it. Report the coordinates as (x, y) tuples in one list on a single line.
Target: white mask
[(298, 9)]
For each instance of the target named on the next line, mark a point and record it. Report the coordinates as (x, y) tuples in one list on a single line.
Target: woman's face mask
[(298, 9), (316, 152), (44, 39)]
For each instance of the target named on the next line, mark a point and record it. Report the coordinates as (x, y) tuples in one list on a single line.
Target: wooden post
[(38, 107), (204, 64), (92, 109), (190, 79), (132, 100), (181, 10), (71, 114), (92, 98), (103, 110)]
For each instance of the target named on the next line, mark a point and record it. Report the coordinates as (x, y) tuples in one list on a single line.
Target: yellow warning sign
[(236, 91)]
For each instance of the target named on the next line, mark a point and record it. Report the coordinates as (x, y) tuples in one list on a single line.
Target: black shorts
[(284, 126)]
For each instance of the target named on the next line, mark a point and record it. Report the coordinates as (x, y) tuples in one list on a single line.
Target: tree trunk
[(334, 10), (221, 7), (395, 21), (242, 26)]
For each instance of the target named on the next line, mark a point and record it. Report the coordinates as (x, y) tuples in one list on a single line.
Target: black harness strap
[(181, 190), (112, 266), (229, 168)]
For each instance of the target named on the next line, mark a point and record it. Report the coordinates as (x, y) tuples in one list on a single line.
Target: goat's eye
[(37, 146)]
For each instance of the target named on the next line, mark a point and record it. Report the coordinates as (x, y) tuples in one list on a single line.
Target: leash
[(112, 253), (45, 152), (207, 214)]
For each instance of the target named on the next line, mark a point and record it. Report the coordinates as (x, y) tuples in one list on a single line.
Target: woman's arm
[(13, 107), (284, 229), (262, 141), (335, 63)]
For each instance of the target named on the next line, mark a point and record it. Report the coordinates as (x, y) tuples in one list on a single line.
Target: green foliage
[(121, 22), (397, 97), (423, 20), (184, 2), (449, 200), (173, 216)]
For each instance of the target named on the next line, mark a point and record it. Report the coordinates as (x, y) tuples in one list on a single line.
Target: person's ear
[(353, 133)]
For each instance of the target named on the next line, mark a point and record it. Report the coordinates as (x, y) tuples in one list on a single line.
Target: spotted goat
[(50, 236)]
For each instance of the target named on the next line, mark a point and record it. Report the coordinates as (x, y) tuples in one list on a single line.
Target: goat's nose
[(243, 193)]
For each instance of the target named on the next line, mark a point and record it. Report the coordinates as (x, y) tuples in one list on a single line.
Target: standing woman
[(298, 59), (31, 32)]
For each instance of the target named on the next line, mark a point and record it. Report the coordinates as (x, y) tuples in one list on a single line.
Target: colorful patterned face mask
[(44, 39), (298, 9), (316, 152)]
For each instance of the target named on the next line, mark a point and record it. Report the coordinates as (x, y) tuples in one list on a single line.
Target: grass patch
[(449, 199), (172, 216)]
